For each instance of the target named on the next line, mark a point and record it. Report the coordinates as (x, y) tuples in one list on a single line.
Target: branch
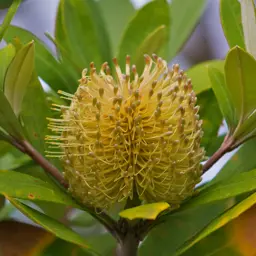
[(45, 164), (226, 146), (25, 147)]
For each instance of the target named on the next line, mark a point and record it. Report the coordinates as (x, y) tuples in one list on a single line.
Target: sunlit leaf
[(184, 15), (51, 225), (146, 211), (23, 186), (123, 11), (230, 14), (249, 25), (199, 74), (6, 55), (220, 221), (154, 14)]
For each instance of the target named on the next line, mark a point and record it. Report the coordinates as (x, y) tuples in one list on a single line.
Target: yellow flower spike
[(132, 132)]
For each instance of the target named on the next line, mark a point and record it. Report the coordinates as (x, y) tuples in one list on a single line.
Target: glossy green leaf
[(249, 25), (23, 186), (167, 237), (242, 161), (51, 225), (220, 221), (8, 120), (199, 74), (240, 79), (48, 68), (238, 184), (18, 76), (85, 31), (184, 16), (153, 43), (210, 114), (230, 14), (146, 211), (113, 11), (154, 14), (34, 114), (6, 55), (220, 90)]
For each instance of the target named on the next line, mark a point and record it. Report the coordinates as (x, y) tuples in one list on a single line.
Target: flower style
[(130, 134)]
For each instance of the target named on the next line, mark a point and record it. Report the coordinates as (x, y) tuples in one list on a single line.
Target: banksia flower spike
[(132, 134)]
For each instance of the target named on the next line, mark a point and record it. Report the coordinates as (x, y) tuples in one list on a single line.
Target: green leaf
[(210, 114), (154, 14), (230, 14), (64, 248), (238, 184), (153, 43), (18, 76), (249, 25), (48, 68), (184, 15), (8, 120), (51, 225), (220, 221), (84, 31), (240, 78), (238, 163), (146, 211), (220, 90), (6, 55), (34, 114), (237, 238), (123, 11), (165, 238), (23, 186), (199, 74)]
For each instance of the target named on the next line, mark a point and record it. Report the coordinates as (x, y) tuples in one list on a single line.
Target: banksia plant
[(127, 145), (130, 134)]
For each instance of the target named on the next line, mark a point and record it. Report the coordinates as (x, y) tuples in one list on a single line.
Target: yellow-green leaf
[(249, 25), (230, 16), (18, 76), (23, 186), (199, 74), (146, 211), (6, 56), (8, 121)]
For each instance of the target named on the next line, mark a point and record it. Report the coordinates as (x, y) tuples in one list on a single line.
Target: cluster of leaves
[(89, 30)]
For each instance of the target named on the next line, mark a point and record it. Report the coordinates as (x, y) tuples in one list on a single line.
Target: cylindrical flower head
[(132, 134)]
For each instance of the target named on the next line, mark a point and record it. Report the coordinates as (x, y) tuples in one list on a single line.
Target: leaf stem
[(9, 16), (226, 146)]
